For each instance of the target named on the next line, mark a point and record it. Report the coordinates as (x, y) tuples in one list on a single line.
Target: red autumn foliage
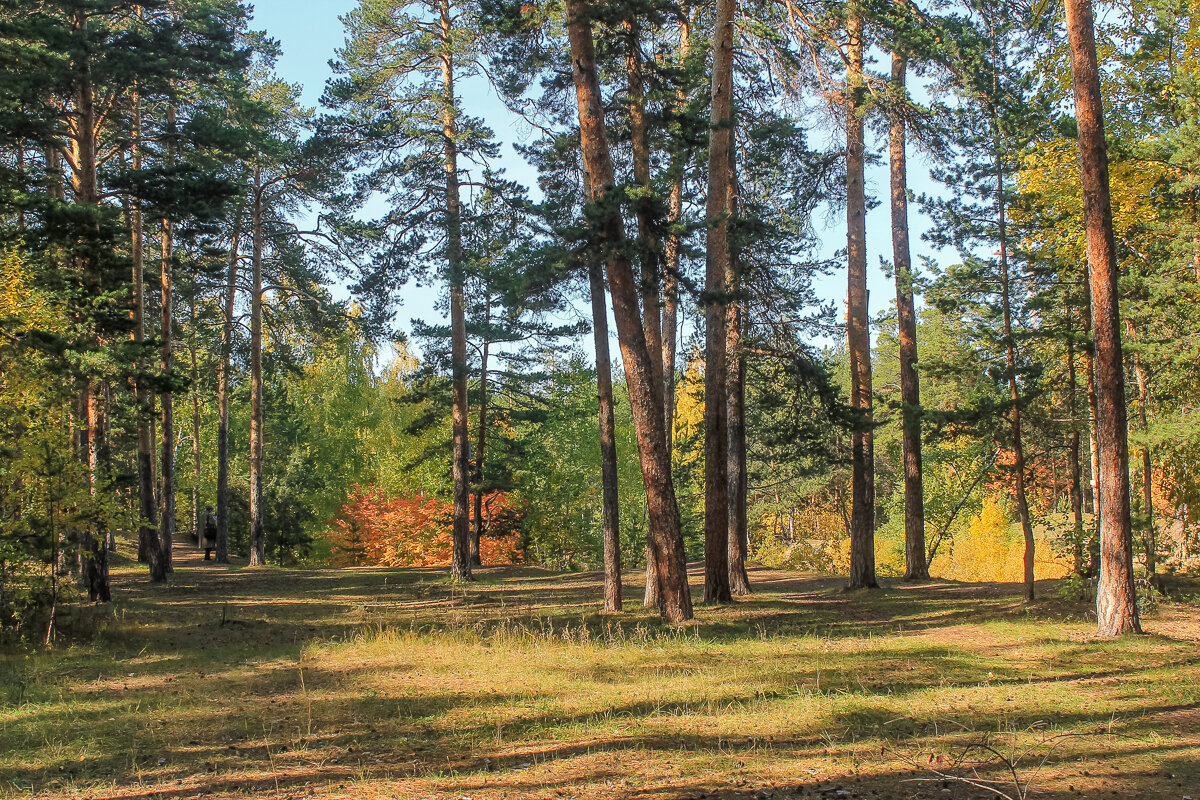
[(372, 529)]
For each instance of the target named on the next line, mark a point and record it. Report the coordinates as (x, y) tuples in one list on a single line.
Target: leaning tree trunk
[(915, 566), (1116, 598), (716, 261), (94, 552), (258, 538), (223, 375), (858, 334), (645, 394), (460, 565), (610, 509)]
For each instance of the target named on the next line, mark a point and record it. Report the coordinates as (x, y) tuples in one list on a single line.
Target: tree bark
[(460, 565), (652, 323), (223, 379), (672, 246), (739, 531), (1010, 352), (1116, 598), (1073, 451), (1151, 542), (647, 243), (652, 597), (716, 368), (1091, 498), (645, 393), (258, 539), (166, 516), (858, 334), (915, 566), (197, 517), (149, 549), (93, 550), (610, 514), (481, 444)]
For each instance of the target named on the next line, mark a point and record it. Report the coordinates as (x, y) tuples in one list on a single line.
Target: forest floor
[(389, 683)]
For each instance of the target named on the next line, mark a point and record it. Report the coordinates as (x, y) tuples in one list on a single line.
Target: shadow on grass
[(208, 674)]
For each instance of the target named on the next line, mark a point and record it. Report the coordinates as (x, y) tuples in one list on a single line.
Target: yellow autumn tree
[(1050, 178), (992, 548)]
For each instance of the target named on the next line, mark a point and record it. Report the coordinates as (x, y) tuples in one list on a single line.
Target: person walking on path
[(210, 532)]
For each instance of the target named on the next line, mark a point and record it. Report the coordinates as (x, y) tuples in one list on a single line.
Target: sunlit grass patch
[(363, 683)]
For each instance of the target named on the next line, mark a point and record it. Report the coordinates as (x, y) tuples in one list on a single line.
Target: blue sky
[(310, 32)]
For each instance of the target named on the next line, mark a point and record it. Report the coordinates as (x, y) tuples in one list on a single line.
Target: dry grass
[(363, 683)]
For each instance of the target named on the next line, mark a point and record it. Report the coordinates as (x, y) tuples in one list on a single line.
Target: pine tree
[(1116, 599), (862, 450), (405, 98), (645, 393), (721, 182)]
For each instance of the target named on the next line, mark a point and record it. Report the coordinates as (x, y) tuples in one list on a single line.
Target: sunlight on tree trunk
[(1116, 598), (858, 333)]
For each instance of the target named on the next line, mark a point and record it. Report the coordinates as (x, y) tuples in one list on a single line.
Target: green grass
[(397, 683)]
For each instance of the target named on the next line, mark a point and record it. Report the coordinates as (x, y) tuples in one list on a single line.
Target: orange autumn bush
[(373, 529)]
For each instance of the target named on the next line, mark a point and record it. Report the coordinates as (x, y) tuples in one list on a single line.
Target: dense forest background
[(200, 286)]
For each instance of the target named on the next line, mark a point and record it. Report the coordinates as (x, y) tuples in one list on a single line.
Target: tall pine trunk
[(858, 334), (739, 532), (197, 517), (652, 598), (739, 529), (915, 566), (673, 249), (651, 286), (652, 323), (93, 549), (1116, 599), (481, 445), (258, 539), (610, 509), (1151, 542), (149, 550), (1073, 453), (460, 565), (223, 380), (716, 267), (166, 514), (1091, 498), (1014, 393), (645, 394)]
